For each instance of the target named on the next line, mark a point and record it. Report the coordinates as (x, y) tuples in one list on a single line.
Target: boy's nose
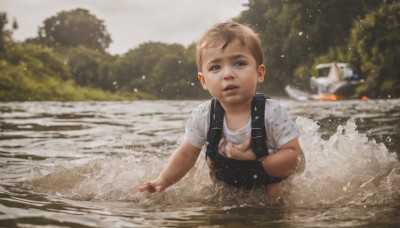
[(228, 73)]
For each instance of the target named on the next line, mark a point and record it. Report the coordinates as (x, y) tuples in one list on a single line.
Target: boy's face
[(231, 74)]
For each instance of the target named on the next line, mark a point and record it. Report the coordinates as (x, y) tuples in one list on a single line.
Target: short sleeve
[(280, 128), (197, 125)]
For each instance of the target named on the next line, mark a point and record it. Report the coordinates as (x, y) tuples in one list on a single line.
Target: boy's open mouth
[(230, 87)]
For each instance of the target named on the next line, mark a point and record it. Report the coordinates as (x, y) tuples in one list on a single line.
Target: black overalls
[(246, 174)]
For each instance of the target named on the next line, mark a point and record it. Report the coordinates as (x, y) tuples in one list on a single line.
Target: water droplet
[(118, 138)]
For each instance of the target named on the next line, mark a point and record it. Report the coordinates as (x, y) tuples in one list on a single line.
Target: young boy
[(251, 141)]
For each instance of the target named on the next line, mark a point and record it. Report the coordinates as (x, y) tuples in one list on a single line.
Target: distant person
[(251, 141)]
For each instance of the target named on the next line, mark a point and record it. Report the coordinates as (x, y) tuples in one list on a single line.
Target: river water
[(79, 164)]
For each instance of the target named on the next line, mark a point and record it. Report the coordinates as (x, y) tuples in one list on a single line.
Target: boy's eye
[(215, 68), (239, 63)]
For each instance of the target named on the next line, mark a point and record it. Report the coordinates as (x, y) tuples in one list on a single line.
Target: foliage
[(5, 34), (87, 66), (295, 33), (41, 62), (67, 61), (18, 84), (31, 72), (166, 71), (74, 28), (375, 41)]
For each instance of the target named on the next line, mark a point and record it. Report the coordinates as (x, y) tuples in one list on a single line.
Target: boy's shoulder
[(202, 110), (271, 103), (274, 110), (204, 106)]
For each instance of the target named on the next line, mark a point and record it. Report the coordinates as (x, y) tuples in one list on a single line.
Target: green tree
[(3, 31), (40, 61), (295, 33), (132, 70), (74, 28), (5, 34), (375, 45), (166, 71), (174, 75), (87, 66), (31, 72), (190, 86)]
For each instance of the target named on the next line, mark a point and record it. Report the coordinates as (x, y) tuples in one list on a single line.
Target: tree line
[(67, 60)]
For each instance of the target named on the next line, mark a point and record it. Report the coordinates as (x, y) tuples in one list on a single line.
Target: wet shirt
[(280, 128)]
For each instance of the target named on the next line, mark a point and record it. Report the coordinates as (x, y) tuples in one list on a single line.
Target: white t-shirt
[(279, 127)]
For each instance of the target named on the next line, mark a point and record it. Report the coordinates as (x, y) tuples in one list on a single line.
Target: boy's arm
[(288, 160), (180, 162)]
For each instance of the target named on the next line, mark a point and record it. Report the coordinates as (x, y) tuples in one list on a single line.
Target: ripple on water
[(345, 169), (80, 164)]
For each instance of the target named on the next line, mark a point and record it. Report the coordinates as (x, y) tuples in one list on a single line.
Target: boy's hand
[(240, 151), (157, 185)]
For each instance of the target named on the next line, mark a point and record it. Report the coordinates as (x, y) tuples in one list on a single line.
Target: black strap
[(246, 174), (215, 130), (258, 134)]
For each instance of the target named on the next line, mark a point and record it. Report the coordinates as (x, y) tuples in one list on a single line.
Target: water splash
[(345, 169)]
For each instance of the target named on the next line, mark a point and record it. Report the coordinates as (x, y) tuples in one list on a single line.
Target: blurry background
[(81, 50), (130, 23)]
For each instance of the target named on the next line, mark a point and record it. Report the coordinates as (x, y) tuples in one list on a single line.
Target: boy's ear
[(261, 73), (202, 80)]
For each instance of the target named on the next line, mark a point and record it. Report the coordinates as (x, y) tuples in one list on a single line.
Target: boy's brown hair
[(222, 34)]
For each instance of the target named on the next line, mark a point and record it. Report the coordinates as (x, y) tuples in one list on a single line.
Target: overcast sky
[(130, 22)]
